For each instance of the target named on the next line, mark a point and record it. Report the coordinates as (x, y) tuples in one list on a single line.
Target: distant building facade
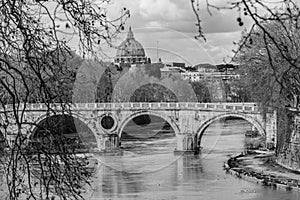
[(172, 69), (200, 72)]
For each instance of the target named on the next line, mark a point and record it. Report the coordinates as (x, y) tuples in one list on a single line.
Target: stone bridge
[(188, 120)]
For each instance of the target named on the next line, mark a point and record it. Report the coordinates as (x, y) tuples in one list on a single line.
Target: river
[(148, 169)]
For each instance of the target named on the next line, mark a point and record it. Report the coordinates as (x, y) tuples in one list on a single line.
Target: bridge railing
[(242, 107)]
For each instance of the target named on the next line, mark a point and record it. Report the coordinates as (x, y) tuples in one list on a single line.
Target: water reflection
[(149, 170), (114, 183)]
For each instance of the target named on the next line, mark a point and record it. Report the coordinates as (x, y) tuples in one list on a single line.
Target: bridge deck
[(241, 107)]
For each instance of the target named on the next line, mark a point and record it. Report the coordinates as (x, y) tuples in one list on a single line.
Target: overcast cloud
[(170, 25)]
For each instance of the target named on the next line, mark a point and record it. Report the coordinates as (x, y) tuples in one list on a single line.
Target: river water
[(148, 169)]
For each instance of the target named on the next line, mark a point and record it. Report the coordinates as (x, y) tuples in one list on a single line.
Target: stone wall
[(289, 155)]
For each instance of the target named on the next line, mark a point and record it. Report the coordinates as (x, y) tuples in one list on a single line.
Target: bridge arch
[(153, 113), (249, 119), (70, 125)]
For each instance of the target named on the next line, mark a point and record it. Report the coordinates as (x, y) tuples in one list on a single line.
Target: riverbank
[(261, 168)]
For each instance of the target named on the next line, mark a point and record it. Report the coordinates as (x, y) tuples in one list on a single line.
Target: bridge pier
[(109, 144), (186, 144)]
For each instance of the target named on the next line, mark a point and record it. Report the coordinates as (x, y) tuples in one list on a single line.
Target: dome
[(130, 47), (130, 51)]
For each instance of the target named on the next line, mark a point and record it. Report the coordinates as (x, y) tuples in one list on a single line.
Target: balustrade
[(242, 107)]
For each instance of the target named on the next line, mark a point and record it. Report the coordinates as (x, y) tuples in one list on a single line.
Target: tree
[(258, 74), (202, 91), (277, 26), (237, 91), (35, 58), (268, 77), (269, 52), (105, 86), (145, 83), (153, 92)]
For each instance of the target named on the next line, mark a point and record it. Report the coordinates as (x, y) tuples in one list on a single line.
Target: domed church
[(130, 51)]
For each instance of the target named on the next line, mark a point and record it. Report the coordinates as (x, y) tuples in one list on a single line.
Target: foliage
[(270, 78), (273, 40), (237, 91), (153, 87), (35, 58), (141, 79), (269, 55), (153, 93), (201, 91), (105, 86)]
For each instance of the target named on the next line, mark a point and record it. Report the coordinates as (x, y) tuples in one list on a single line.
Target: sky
[(166, 29)]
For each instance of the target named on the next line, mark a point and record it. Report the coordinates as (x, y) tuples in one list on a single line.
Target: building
[(172, 69), (209, 72), (130, 51)]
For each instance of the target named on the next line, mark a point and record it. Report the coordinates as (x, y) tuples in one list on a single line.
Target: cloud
[(154, 9), (175, 29), (177, 15)]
